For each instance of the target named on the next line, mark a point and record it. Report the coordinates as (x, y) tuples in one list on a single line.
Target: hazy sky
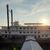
[(26, 11)]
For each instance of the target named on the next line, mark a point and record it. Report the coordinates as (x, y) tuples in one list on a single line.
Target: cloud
[(12, 1), (39, 9), (43, 6), (21, 12)]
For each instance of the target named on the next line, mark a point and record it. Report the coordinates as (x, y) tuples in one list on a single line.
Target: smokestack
[(11, 17), (7, 16)]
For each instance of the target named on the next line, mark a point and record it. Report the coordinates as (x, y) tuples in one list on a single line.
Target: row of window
[(29, 32), (29, 27), (26, 28), (39, 36), (23, 31)]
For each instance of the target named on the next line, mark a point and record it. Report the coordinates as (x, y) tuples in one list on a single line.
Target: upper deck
[(37, 31)]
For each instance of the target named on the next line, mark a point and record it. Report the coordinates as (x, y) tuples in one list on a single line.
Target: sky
[(25, 11)]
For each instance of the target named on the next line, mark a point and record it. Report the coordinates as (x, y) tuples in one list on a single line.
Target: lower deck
[(16, 43)]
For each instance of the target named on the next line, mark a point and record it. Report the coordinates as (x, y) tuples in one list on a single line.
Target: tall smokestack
[(11, 17), (7, 16)]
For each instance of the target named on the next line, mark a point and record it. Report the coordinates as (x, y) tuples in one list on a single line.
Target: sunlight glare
[(44, 21)]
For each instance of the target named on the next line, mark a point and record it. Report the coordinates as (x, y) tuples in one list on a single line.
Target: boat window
[(24, 28), (35, 28), (23, 32), (20, 27), (42, 35), (20, 32), (5, 36), (31, 32), (27, 27), (27, 32), (31, 27), (38, 31), (35, 36), (39, 36), (5, 31), (46, 35), (49, 28), (35, 32)]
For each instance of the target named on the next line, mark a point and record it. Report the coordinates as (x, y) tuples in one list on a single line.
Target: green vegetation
[(14, 49)]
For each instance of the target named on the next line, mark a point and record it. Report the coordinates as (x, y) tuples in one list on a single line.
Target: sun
[(44, 21)]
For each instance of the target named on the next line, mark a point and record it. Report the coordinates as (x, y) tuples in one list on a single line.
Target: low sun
[(44, 21)]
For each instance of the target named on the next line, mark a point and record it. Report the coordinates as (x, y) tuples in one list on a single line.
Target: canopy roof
[(31, 44)]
